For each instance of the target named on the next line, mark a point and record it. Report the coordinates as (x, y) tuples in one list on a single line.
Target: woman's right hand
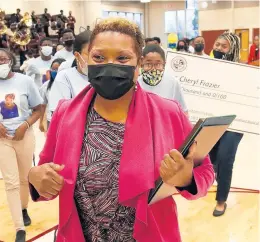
[(46, 180), (3, 131)]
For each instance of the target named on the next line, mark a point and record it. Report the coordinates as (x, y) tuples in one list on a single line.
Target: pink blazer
[(154, 126)]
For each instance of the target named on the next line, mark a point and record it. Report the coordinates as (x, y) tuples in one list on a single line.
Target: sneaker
[(20, 236), (26, 219)]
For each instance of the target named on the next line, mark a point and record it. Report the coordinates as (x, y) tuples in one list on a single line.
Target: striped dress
[(102, 218)]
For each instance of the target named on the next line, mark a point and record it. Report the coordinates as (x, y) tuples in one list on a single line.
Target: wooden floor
[(239, 224), (44, 216)]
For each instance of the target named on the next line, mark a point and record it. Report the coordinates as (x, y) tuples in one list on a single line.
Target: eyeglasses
[(4, 60), (157, 66)]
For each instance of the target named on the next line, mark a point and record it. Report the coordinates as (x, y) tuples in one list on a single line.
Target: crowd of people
[(31, 29), (110, 117)]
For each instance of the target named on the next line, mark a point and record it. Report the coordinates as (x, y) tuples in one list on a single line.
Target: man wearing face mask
[(71, 81), (199, 46), (37, 67), (68, 39)]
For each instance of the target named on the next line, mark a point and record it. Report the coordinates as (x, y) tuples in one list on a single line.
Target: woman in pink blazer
[(106, 148)]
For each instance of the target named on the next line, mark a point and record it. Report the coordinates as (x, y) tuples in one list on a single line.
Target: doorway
[(244, 44), (210, 38), (256, 32)]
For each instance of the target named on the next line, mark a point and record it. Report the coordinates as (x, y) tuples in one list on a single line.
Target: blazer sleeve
[(47, 154), (203, 175)]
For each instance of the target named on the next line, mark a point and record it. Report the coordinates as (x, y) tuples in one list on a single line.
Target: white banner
[(213, 88)]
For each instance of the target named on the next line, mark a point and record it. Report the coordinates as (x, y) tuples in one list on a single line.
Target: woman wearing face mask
[(153, 78), (199, 46), (226, 47), (20, 108), (45, 90), (72, 81), (68, 40), (182, 46), (38, 67), (114, 122)]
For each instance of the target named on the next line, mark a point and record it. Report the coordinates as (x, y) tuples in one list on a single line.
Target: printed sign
[(214, 88)]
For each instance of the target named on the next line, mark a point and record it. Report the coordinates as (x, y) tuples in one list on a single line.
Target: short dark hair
[(18, 9), (61, 11), (81, 40), (157, 39), (154, 49), (11, 56), (65, 31), (122, 26), (148, 40), (45, 39)]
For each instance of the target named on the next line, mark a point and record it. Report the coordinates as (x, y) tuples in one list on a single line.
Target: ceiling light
[(204, 4), (145, 1)]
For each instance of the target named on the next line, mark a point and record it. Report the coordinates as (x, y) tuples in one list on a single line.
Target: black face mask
[(180, 47), (199, 47), (69, 43), (111, 81), (218, 54)]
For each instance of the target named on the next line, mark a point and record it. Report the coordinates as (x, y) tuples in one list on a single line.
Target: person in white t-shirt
[(29, 56), (37, 67), (199, 46), (70, 82), (153, 78), (45, 91), (68, 40), (20, 108)]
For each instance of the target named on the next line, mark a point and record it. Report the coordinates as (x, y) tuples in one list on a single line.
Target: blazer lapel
[(136, 174), (71, 136)]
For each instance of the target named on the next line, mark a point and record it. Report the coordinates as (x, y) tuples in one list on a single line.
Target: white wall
[(242, 18), (136, 7), (156, 12)]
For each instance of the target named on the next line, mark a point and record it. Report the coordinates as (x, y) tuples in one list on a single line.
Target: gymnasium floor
[(240, 223)]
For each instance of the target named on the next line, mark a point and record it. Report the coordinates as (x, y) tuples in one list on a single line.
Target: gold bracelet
[(28, 125)]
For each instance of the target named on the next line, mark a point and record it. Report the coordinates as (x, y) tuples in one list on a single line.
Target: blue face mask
[(53, 74)]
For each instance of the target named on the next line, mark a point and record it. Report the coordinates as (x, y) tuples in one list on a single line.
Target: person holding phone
[(121, 140)]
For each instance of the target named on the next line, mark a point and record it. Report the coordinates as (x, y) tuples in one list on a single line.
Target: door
[(244, 44), (256, 32), (210, 38)]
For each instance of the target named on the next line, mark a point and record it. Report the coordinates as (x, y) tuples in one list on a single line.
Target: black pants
[(46, 31), (223, 157)]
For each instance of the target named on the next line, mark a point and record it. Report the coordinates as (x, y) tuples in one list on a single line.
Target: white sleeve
[(178, 96), (60, 90), (32, 70)]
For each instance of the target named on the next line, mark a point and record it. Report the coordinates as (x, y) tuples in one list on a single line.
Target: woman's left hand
[(20, 132), (177, 171)]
